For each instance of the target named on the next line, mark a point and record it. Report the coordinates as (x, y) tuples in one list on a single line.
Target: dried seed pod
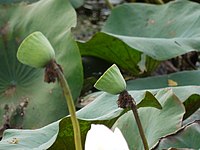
[(35, 51), (111, 81)]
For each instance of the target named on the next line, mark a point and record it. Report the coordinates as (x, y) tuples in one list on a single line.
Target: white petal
[(99, 137)]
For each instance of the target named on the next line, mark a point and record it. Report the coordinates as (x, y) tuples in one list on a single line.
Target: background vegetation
[(156, 46)]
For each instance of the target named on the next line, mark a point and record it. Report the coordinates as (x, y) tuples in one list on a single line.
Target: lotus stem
[(109, 4), (126, 101), (139, 124), (71, 107)]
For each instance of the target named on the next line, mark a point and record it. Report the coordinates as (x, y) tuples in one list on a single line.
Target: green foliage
[(186, 90), (182, 78), (39, 139), (188, 136), (23, 94), (136, 37), (59, 135), (104, 110), (156, 123), (158, 32)]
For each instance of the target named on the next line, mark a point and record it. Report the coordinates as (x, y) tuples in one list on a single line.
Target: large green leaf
[(65, 138), (56, 136), (183, 78), (156, 123), (188, 95), (159, 32), (104, 110), (107, 104), (30, 139), (187, 137), (187, 89), (26, 101), (115, 51), (104, 106), (59, 135)]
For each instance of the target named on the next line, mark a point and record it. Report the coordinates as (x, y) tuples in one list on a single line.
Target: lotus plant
[(113, 82), (36, 51)]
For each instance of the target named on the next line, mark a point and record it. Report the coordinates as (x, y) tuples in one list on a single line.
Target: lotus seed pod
[(111, 81), (35, 51)]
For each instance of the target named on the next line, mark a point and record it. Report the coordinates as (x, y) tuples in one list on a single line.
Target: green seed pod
[(111, 81), (35, 51)]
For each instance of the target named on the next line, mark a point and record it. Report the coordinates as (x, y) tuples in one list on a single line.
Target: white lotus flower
[(99, 137)]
